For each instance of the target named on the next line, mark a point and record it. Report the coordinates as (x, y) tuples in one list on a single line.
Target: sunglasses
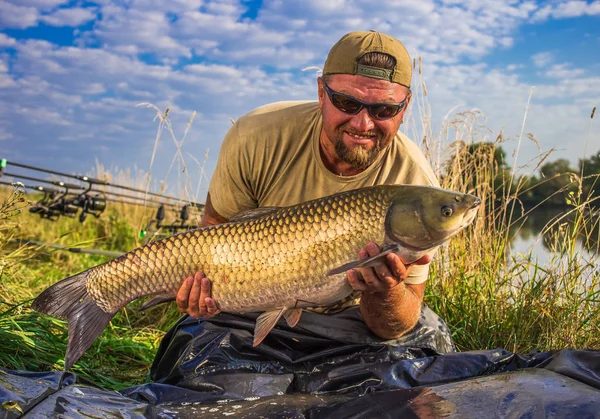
[(352, 106)]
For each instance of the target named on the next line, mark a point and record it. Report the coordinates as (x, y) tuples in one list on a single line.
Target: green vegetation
[(493, 298), (489, 296), (28, 341)]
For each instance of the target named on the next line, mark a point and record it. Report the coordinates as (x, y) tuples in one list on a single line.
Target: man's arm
[(211, 217), (389, 307)]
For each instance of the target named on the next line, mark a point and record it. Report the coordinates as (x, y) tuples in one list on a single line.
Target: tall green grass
[(30, 341), (490, 296)]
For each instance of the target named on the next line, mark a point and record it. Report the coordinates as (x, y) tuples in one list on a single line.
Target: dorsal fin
[(253, 213)]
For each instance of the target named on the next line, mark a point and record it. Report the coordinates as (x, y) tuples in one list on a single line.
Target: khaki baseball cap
[(344, 55)]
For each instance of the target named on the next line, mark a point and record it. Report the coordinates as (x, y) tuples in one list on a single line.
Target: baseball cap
[(344, 55)]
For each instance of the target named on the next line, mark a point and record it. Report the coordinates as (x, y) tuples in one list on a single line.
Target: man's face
[(359, 139)]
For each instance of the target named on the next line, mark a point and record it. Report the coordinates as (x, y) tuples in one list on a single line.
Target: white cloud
[(148, 30), (568, 9), (7, 41), (42, 115), (69, 17), (542, 59), (564, 71), (17, 17), (5, 79), (41, 4), (206, 56)]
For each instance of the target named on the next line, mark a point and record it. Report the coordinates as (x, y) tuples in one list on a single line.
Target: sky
[(76, 77)]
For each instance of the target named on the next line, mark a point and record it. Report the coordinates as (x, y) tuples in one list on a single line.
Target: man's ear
[(408, 99), (320, 92)]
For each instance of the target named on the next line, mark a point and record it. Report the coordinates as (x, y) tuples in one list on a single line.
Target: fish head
[(423, 217)]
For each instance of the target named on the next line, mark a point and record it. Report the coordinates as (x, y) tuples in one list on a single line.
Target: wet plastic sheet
[(319, 370)]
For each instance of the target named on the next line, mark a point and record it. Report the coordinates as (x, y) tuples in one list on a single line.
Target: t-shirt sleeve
[(419, 273), (231, 184)]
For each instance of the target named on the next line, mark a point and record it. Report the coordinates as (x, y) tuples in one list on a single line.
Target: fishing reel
[(155, 226), (61, 206), (55, 203), (43, 205), (94, 205), (180, 224)]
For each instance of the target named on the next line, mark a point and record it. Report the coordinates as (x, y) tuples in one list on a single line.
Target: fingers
[(377, 278), (356, 281), (211, 307), (194, 297), (182, 295), (383, 276)]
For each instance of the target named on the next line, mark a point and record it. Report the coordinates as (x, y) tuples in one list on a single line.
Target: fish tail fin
[(69, 299)]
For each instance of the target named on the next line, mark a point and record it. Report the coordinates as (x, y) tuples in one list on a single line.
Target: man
[(290, 152)]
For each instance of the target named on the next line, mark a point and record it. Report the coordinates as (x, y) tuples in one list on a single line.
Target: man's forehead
[(346, 83)]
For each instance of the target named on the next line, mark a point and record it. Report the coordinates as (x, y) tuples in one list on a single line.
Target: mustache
[(351, 130)]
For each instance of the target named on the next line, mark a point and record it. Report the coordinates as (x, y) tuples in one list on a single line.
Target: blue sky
[(72, 73)]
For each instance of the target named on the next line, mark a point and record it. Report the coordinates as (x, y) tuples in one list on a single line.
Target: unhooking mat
[(326, 367)]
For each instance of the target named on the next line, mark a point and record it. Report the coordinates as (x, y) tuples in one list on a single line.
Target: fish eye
[(447, 211)]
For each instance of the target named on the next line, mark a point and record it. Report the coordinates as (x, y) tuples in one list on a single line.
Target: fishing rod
[(26, 242), (46, 210), (67, 202), (71, 197), (94, 181), (79, 188), (56, 202)]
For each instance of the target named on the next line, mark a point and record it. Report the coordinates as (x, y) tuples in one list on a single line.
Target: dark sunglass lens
[(345, 104), (384, 111)]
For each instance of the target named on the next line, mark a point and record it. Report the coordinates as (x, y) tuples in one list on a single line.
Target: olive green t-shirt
[(270, 157)]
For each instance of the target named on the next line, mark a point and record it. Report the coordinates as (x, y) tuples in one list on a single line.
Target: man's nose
[(362, 121)]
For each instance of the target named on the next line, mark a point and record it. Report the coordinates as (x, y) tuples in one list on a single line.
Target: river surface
[(529, 236)]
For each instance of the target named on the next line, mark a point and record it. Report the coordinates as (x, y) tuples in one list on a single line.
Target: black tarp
[(320, 369)]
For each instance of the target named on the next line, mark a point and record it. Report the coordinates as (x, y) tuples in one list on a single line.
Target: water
[(529, 238)]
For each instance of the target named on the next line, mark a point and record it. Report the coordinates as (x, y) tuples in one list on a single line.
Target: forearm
[(390, 314)]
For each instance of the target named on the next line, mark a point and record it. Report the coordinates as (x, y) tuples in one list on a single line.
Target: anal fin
[(292, 316), (265, 323)]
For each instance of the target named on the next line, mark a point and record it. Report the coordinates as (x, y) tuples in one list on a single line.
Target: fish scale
[(274, 260), (269, 251)]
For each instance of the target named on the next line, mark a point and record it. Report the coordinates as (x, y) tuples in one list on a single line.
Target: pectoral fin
[(292, 316), (265, 322), (368, 262), (156, 300)]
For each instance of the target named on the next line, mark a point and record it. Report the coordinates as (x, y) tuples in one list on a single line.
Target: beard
[(358, 157)]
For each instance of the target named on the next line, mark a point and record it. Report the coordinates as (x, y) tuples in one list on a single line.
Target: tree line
[(554, 183)]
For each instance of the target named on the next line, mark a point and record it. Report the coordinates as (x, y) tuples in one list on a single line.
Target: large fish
[(274, 260)]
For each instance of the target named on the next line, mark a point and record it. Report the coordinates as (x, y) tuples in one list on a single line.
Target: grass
[(490, 296), (29, 341)]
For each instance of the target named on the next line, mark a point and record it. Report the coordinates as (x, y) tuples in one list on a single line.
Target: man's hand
[(389, 307), (384, 276), (194, 297)]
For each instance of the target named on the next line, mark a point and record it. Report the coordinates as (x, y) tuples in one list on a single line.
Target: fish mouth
[(471, 213), (476, 203)]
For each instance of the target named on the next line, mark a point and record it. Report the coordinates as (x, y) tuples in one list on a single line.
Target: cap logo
[(375, 72)]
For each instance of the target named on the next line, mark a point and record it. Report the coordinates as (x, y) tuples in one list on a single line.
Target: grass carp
[(275, 260)]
